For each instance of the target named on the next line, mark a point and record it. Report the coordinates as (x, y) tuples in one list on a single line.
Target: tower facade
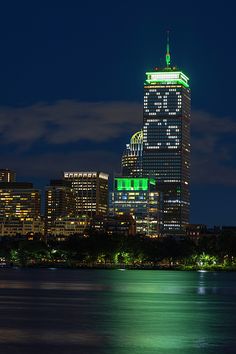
[(59, 202), (132, 156), (166, 141), (91, 192), (139, 198), (19, 200)]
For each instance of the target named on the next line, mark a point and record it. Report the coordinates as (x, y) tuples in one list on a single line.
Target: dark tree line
[(116, 250)]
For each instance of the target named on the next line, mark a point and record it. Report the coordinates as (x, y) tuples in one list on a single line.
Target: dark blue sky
[(71, 87)]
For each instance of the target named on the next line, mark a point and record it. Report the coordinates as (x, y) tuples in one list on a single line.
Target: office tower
[(166, 141), (19, 200), (139, 198), (91, 192), (7, 175), (59, 202), (19, 208), (132, 156)]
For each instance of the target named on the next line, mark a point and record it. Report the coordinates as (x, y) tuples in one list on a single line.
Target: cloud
[(213, 149), (68, 121)]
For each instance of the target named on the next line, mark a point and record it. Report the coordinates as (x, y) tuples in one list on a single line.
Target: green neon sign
[(135, 184)]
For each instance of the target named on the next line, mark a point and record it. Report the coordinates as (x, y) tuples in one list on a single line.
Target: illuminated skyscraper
[(91, 192), (139, 198), (19, 200), (132, 156), (59, 202), (166, 141), (19, 209)]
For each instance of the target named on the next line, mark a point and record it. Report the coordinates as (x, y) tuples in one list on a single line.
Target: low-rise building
[(65, 227), (196, 230), (113, 225), (12, 227)]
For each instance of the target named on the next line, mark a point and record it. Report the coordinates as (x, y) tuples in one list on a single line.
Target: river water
[(117, 312)]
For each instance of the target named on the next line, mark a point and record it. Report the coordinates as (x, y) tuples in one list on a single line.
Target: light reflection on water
[(96, 311)]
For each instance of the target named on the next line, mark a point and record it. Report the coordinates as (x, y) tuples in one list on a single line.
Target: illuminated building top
[(169, 75), (136, 184), (86, 175), (168, 51), (137, 138), (167, 78)]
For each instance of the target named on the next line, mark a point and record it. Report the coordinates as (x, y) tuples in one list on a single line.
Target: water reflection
[(174, 312), (117, 312)]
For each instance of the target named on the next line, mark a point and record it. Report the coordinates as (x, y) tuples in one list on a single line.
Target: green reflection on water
[(170, 312)]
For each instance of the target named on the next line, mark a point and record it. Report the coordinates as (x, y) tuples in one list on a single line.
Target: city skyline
[(161, 150), (47, 71)]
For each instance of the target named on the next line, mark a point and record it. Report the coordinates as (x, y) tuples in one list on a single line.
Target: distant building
[(91, 192), (229, 229), (138, 197), (19, 208), (12, 227), (65, 227), (59, 202), (132, 156), (113, 225), (7, 175), (196, 230), (19, 200)]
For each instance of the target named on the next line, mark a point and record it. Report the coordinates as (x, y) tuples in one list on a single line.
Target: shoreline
[(123, 267)]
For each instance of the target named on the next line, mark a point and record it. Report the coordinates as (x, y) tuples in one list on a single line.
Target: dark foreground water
[(135, 312)]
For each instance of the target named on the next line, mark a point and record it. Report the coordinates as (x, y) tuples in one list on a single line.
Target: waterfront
[(113, 311)]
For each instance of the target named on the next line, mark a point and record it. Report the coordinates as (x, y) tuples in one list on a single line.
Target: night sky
[(71, 88)]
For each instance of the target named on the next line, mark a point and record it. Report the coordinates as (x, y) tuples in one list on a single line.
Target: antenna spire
[(168, 50)]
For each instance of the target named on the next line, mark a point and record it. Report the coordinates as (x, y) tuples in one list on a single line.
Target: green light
[(171, 77), (168, 50), (152, 181), (137, 138), (135, 184), (167, 59)]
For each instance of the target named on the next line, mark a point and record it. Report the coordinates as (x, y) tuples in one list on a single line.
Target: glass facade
[(91, 192), (19, 200), (166, 143), (132, 156), (139, 198), (59, 202)]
